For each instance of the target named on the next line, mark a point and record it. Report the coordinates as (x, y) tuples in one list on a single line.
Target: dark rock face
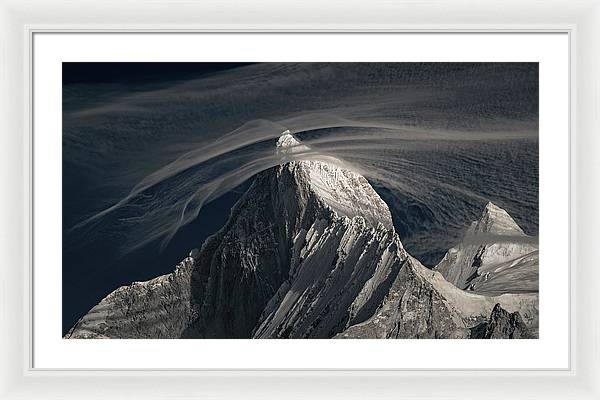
[(241, 267), (413, 308), (501, 325), (331, 264)]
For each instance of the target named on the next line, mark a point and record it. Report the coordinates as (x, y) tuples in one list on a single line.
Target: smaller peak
[(495, 219)]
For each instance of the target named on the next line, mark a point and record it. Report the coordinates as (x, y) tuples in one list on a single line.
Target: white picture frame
[(19, 21)]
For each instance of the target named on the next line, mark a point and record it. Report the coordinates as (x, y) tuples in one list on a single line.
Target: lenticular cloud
[(420, 134)]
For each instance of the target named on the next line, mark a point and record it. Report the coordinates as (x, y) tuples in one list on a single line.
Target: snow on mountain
[(309, 251), (495, 257), (348, 193), (496, 220)]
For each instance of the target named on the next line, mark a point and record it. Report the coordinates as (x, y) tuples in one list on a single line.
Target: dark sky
[(139, 72)]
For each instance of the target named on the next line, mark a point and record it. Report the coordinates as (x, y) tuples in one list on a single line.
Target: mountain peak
[(491, 207), (343, 190), (495, 256), (287, 140), (494, 219)]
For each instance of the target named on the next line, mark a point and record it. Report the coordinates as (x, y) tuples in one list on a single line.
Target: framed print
[(313, 208), (312, 221)]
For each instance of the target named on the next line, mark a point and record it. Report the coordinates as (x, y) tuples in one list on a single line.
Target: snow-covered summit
[(496, 220), (288, 141), (346, 192)]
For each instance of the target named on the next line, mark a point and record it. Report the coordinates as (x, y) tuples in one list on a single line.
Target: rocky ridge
[(502, 325)]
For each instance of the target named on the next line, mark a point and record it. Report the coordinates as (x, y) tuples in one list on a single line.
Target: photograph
[(300, 200)]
